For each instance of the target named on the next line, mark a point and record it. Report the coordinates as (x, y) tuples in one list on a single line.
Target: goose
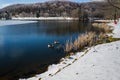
[(56, 42), (50, 45)]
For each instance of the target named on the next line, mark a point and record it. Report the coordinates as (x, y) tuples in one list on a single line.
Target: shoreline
[(104, 21), (14, 22), (44, 18), (100, 52)]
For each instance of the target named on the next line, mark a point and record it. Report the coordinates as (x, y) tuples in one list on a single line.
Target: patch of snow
[(14, 22), (111, 24), (44, 18), (116, 31)]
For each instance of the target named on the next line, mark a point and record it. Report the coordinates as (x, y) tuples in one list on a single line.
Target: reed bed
[(102, 27), (68, 46), (89, 39), (80, 42)]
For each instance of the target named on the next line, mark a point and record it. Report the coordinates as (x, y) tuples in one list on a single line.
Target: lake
[(24, 48)]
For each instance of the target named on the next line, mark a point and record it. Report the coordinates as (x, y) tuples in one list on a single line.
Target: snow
[(101, 65), (116, 31), (44, 18), (14, 22), (101, 62), (104, 21)]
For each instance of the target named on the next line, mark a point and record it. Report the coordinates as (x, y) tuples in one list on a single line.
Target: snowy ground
[(104, 64), (101, 62), (13, 22), (104, 21), (116, 30), (44, 18)]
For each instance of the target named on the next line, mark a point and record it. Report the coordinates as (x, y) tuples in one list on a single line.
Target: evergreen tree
[(37, 14)]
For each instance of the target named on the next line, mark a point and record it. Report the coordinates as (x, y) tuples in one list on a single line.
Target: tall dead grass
[(102, 26), (88, 39), (68, 46), (80, 42)]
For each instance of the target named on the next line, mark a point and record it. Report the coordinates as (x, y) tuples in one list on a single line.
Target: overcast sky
[(4, 3)]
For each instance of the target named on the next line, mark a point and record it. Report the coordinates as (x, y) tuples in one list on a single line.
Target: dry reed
[(88, 39), (102, 26), (68, 46), (80, 42)]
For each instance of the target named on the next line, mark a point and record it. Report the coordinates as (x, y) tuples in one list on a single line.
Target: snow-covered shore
[(101, 62), (116, 30), (104, 21), (44, 18), (14, 22)]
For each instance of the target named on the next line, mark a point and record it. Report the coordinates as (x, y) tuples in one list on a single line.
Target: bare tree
[(112, 4)]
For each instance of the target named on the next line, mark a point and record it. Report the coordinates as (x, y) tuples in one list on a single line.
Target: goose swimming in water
[(50, 45), (56, 42)]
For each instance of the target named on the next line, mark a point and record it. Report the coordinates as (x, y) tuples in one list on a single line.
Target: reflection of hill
[(64, 28), (52, 28)]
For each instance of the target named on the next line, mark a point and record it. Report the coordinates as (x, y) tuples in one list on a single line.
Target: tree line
[(58, 9)]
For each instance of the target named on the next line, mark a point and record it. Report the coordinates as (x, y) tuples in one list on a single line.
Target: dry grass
[(103, 30), (81, 42), (68, 46), (84, 40), (102, 27)]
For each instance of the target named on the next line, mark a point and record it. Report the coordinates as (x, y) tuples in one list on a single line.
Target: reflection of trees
[(57, 28), (63, 28)]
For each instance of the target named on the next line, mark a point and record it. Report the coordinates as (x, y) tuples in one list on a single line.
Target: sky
[(4, 3)]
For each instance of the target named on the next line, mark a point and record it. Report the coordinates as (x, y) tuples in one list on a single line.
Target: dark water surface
[(24, 51)]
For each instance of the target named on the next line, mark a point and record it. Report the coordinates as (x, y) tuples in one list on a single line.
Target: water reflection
[(57, 28), (63, 28)]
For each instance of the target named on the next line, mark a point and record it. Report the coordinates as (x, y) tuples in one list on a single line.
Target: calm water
[(23, 48)]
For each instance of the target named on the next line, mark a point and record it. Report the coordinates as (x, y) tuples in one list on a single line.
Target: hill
[(60, 8)]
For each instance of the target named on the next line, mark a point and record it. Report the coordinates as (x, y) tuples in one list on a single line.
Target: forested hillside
[(61, 9)]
